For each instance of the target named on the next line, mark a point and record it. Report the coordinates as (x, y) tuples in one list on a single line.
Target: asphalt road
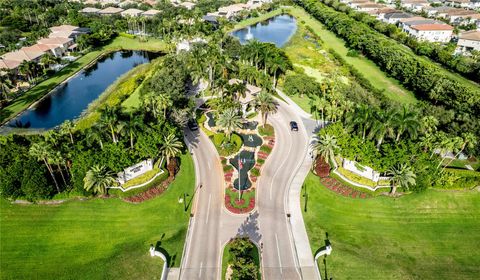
[(212, 226)]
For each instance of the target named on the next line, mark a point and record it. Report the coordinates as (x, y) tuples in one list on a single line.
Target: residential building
[(110, 11), (369, 6), (187, 5), (56, 45), (458, 3), (462, 16), (229, 12), (395, 17), (380, 13), (441, 33), (89, 10), (131, 13), (151, 13), (414, 5), (67, 31), (468, 41)]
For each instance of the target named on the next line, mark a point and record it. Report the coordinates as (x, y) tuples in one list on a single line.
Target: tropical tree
[(326, 147), (229, 120), (407, 121), (171, 147), (98, 179), (429, 124), (164, 102), (95, 134), (47, 60), (5, 85), (132, 127), (109, 118), (28, 69), (449, 144), (362, 118), (67, 127), (468, 140), (42, 152), (265, 104), (403, 176), (319, 104), (383, 126)]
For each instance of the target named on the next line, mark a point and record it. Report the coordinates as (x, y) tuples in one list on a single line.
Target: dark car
[(192, 125), (293, 126)]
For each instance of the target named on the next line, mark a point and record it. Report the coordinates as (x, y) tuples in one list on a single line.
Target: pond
[(70, 99), (277, 30)]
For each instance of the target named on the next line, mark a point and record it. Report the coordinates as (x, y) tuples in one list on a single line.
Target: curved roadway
[(212, 226)]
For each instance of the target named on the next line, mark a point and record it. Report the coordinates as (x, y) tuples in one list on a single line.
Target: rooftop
[(151, 12), (110, 10), (432, 27), (473, 35)]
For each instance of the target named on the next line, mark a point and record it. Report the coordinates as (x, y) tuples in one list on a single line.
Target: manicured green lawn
[(392, 87), (228, 257), (44, 87), (253, 20), (430, 235), (95, 239)]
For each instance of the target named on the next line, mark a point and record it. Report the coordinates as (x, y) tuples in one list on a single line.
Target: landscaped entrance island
[(70, 99)]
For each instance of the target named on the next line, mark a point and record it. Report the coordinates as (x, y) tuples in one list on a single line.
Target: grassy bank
[(38, 91), (96, 239), (254, 20), (430, 235)]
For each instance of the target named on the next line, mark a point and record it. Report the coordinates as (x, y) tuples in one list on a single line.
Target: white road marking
[(208, 209), (200, 272), (275, 175), (278, 253), (209, 167)]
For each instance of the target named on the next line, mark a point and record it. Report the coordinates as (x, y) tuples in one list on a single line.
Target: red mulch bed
[(334, 185), (150, 193), (234, 210)]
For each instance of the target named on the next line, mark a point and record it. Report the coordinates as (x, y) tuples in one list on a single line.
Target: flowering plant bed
[(244, 205), (150, 193), (334, 185)]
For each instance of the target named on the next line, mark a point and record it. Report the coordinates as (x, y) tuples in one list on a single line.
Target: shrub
[(356, 178), (265, 149), (226, 147), (260, 161), (352, 53), (252, 115), (126, 35), (227, 168), (255, 172), (266, 130)]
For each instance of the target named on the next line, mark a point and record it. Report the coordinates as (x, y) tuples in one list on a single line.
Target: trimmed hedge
[(226, 147), (266, 130)]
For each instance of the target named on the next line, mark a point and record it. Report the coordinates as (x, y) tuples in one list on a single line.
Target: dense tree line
[(427, 80), (467, 66)]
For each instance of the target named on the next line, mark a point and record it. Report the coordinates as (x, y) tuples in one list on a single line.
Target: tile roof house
[(231, 11), (110, 11), (460, 16), (394, 18), (89, 10), (67, 31), (468, 41), (188, 5), (151, 13), (431, 32), (131, 13)]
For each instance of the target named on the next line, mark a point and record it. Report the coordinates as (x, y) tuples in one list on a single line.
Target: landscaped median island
[(241, 260), (242, 157)]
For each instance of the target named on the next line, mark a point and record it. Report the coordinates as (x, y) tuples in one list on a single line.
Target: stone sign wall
[(365, 171), (134, 171)]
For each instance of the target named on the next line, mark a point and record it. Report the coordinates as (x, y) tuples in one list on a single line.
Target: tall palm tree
[(48, 59), (468, 140), (406, 121), (382, 126), (42, 152), (164, 102), (403, 176), (326, 147), (362, 119), (319, 104), (265, 104), (98, 179), (95, 134), (28, 69), (5, 85), (448, 144), (67, 127), (229, 120), (132, 127), (171, 146), (109, 117)]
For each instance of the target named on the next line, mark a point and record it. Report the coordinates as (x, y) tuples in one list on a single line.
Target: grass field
[(430, 235), (96, 239), (228, 257), (46, 86), (379, 79)]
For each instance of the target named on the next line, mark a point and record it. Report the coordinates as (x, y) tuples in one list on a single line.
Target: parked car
[(192, 124), (293, 126)]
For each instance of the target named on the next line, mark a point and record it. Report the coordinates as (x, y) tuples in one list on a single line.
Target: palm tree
[(326, 148), (319, 104), (28, 69), (170, 147), (382, 126), (95, 134), (403, 176), (109, 118), (67, 128), (265, 103), (42, 152), (98, 179), (164, 102), (406, 121), (48, 59), (5, 85), (362, 118), (132, 126), (229, 120), (448, 144), (469, 140)]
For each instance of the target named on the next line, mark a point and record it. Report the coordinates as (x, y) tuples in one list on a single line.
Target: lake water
[(276, 30), (69, 100)]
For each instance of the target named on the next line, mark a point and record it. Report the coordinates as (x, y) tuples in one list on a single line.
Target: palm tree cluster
[(381, 124)]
